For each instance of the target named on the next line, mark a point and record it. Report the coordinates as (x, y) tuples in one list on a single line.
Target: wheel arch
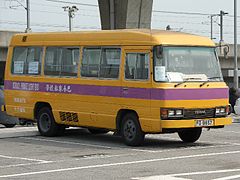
[(121, 113), (40, 105)]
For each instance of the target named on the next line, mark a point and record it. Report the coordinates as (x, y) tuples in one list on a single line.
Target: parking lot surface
[(80, 155)]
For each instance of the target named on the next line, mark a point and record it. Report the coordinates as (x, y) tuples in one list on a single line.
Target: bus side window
[(70, 59), (101, 62), (26, 60), (137, 66), (61, 61), (52, 61), (110, 63), (34, 60), (90, 62)]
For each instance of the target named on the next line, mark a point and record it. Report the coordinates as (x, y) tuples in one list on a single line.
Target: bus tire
[(190, 135), (131, 131), (46, 123), (98, 131)]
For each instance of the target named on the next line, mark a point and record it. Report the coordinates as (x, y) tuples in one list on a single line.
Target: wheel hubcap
[(45, 122), (129, 130)]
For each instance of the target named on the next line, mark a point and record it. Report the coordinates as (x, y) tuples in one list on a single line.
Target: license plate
[(202, 123)]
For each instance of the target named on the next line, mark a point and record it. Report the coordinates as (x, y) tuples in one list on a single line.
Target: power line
[(59, 6), (181, 22), (52, 12), (179, 16), (189, 13), (46, 25), (186, 13), (76, 3)]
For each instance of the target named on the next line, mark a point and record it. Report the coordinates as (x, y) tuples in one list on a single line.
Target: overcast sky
[(49, 16)]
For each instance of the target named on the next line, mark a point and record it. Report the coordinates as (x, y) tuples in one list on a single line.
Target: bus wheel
[(131, 131), (97, 131), (46, 123), (190, 135)]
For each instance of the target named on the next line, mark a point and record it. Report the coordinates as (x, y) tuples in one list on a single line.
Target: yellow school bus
[(132, 82)]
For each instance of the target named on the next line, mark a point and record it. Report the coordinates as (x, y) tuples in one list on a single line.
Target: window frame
[(42, 54), (149, 65), (101, 52), (61, 76), (154, 49)]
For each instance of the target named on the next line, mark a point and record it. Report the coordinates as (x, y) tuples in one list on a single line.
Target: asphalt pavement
[(24, 154)]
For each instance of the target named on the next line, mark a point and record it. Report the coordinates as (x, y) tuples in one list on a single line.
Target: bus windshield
[(178, 64)]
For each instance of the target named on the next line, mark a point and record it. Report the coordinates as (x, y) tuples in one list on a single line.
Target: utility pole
[(222, 13), (28, 29), (112, 14), (71, 14), (235, 47), (27, 8)]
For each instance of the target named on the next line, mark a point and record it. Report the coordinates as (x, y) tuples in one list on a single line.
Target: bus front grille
[(199, 113), (68, 116)]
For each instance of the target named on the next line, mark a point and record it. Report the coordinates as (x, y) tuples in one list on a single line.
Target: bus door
[(136, 81)]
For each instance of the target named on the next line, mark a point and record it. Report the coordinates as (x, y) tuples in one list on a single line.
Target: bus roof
[(111, 37)]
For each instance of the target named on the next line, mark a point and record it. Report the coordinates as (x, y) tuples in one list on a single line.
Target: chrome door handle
[(125, 88)]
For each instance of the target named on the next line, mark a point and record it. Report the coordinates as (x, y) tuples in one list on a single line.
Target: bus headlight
[(221, 111), (171, 113)]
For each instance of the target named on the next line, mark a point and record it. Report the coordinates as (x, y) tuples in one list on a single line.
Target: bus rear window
[(26, 60)]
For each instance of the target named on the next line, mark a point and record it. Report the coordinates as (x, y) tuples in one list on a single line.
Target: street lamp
[(71, 13)]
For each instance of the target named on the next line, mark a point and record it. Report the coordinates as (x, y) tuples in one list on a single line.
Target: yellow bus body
[(97, 108)]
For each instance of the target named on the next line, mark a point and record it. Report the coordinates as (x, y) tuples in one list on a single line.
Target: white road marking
[(67, 142), (132, 149), (160, 178), (26, 164), (195, 173), (206, 172), (22, 158), (191, 148), (84, 144), (60, 161), (236, 132), (118, 164), (142, 150), (228, 177)]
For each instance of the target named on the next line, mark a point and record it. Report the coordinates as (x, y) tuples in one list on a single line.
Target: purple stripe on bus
[(115, 91), (137, 93), (189, 94)]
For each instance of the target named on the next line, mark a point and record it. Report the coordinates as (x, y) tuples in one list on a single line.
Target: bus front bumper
[(191, 123)]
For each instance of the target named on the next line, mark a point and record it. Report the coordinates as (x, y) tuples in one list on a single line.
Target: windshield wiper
[(176, 85), (204, 83), (186, 80), (215, 77)]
